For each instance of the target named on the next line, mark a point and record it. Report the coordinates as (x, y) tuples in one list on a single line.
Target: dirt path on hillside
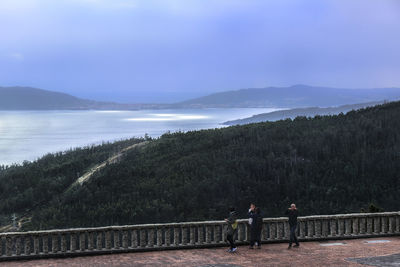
[(110, 160), (84, 178)]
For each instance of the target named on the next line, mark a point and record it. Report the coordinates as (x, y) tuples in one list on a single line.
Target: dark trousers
[(253, 241), (293, 237), (255, 236), (231, 241)]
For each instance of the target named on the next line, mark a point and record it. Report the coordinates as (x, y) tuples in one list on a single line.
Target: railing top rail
[(189, 224), (349, 215)]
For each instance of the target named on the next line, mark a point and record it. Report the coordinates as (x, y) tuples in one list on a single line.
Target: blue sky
[(166, 50)]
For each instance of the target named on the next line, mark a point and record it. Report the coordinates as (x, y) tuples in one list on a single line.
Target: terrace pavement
[(382, 251)]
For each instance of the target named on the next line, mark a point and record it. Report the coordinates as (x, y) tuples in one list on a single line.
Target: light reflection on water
[(27, 135), (169, 117)]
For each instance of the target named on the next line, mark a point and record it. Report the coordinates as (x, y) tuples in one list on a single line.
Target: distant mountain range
[(27, 98), (296, 112), (292, 97)]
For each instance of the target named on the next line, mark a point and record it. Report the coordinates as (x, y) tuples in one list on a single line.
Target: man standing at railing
[(293, 213), (232, 229)]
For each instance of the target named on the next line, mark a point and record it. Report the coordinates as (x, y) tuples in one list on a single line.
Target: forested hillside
[(32, 185), (329, 164)]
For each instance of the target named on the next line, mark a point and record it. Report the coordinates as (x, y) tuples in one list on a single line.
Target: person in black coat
[(293, 213), (255, 220)]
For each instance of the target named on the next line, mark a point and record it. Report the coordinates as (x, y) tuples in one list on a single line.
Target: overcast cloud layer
[(166, 50)]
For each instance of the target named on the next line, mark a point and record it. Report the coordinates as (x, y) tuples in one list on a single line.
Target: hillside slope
[(296, 112), (28, 98), (329, 164), (292, 97), (30, 186)]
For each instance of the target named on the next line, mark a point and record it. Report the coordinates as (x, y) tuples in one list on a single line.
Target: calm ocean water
[(28, 135)]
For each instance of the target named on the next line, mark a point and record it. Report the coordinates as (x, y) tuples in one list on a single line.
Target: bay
[(28, 135)]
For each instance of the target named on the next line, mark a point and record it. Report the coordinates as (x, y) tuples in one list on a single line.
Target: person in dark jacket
[(255, 226), (232, 229), (292, 212)]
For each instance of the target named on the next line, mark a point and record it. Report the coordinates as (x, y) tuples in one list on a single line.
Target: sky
[(171, 50)]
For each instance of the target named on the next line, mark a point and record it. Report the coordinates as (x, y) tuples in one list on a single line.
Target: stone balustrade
[(113, 239)]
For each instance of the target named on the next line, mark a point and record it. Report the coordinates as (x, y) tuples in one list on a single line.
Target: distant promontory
[(28, 98)]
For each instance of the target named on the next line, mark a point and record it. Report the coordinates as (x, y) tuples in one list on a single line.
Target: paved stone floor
[(355, 252)]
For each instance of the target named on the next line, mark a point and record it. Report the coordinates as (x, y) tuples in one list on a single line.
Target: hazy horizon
[(168, 51)]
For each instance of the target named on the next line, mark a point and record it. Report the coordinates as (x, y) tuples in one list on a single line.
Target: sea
[(28, 135)]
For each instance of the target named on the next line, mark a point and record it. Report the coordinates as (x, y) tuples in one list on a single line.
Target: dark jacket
[(232, 223), (292, 214), (255, 226)]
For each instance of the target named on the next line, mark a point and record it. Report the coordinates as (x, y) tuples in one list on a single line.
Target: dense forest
[(26, 187), (326, 164)]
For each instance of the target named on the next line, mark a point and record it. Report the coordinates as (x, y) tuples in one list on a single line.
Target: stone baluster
[(192, 235), (397, 223), (264, 232), (272, 231), (54, 243), (363, 223), (185, 233), (82, 243), (241, 234), (208, 234), (317, 227), (333, 227), (143, 242), (168, 236), (18, 247), (159, 237), (341, 224), (280, 230), (201, 234), (392, 224), (355, 226), (73, 242), (302, 230), (99, 240), (9, 246), (63, 243), (370, 223), (91, 240), (125, 239), (27, 245), (325, 228), (217, 234), (176, 236), (150, 242), (377, 225), (36, 248), (1, 246), (45, 244), (134, 238), (310, 229), (384, 229), (348, 226), (116, 239), (224, 232), (108, 239), (287, 230), (246, 231)]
